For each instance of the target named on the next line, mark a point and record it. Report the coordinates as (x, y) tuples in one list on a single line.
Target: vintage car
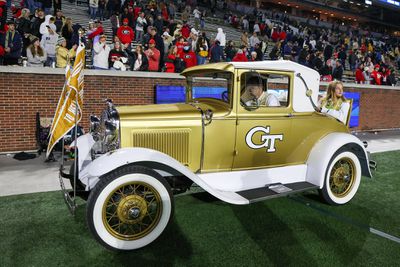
[(135, 158)]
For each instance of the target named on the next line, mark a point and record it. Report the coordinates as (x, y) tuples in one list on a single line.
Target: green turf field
[(37, 230)]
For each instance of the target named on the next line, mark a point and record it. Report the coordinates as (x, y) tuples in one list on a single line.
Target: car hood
[(160, 111)]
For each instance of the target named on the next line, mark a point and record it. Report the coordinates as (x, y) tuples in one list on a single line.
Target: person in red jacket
[(153, 56), (359, 74), (282, 35), (240, 56), (126, 34), (376, 75), (185, 31), (189, 57)]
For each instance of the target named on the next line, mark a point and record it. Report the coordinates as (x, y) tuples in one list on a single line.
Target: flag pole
[(75, 152)]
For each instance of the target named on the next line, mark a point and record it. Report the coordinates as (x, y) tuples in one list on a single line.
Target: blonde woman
[(67, 31), (36, 54), (334, 103)]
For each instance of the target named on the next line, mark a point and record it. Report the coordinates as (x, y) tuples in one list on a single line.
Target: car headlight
[(106, 130)]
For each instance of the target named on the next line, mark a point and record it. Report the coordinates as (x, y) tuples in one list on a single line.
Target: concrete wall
[(25, 91)]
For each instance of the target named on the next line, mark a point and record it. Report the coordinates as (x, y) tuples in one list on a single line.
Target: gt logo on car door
[(267, 140)]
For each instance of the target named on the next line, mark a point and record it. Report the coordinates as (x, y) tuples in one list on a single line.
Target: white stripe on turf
[(385, 235)]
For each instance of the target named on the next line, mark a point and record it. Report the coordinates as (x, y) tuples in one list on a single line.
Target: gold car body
[(182, 131)]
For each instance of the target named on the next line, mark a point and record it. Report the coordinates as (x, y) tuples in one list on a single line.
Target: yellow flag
[(69, 108)]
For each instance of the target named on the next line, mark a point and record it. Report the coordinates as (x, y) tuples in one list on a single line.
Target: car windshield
[(206, 85)]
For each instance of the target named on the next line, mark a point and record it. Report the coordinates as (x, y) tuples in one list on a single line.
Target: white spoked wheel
[(342, 178), (129, 208)]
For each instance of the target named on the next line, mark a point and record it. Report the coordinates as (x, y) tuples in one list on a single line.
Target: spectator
[(117, 57), (101, 9), (326, 71), (197, 15), (153, 56), (240, 55), (230, 51), (63, 54), (253, 56), (67, 31), (49, 19), (221, 37), (260, 55), (367, 75), (189, 57), (115, 23), (167, 42), (96, 32), (159, 23), (359, 74), (174, 62), (36, 54), (276, 51), (37, 20), (101, 51), (126, 34), (253, 41), (12, 43), (159, 45), (57, 7), (24, 29), (287, 51), (216, 53), (59, 19), (352, 60), (93, 6), (244, 40), (139, 60), (376, 75), (338, 71), (140, 24), (49, 42)]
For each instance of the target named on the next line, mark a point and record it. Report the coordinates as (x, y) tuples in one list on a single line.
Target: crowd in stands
[(166, 44)]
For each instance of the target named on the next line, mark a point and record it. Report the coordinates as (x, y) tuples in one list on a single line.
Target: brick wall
[(25, 91)]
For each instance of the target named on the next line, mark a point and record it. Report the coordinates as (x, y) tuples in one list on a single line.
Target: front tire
[(129, 208), (342, 178)]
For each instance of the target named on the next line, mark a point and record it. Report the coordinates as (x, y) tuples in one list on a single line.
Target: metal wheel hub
[(342, 177), (132, 209)]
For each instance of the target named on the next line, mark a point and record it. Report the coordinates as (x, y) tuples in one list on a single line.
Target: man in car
[(259, 97)]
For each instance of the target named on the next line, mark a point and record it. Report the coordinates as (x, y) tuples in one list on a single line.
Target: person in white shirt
[(49, 43), (140, 22), (196, 14), (221, 37), (253, 41), (101, 52), (260, 98)]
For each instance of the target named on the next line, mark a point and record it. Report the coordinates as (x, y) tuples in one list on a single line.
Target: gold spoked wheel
[(342, 177), (132, 210)]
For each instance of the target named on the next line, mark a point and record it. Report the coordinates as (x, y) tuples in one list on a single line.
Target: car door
[(264, 133)]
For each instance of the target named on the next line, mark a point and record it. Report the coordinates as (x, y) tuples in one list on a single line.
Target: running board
[(275, 190)]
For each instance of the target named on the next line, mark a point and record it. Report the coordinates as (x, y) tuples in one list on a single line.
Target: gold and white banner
[(69, 108)]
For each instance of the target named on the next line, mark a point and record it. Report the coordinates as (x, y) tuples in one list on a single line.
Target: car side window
[(264, 90)]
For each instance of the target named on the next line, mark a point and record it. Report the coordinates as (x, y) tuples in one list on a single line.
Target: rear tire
[(129, 208), (342, 178)]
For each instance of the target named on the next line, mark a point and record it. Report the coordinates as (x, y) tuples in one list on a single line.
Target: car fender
[(326, 147), (156, 160), (84, 143)]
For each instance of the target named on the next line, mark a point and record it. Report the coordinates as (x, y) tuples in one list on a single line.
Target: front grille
[(173, 142)]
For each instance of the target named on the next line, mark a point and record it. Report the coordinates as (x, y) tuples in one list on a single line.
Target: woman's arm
[(340, 114)]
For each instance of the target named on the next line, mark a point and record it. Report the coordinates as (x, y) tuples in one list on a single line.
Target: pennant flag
[(69, 108)]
